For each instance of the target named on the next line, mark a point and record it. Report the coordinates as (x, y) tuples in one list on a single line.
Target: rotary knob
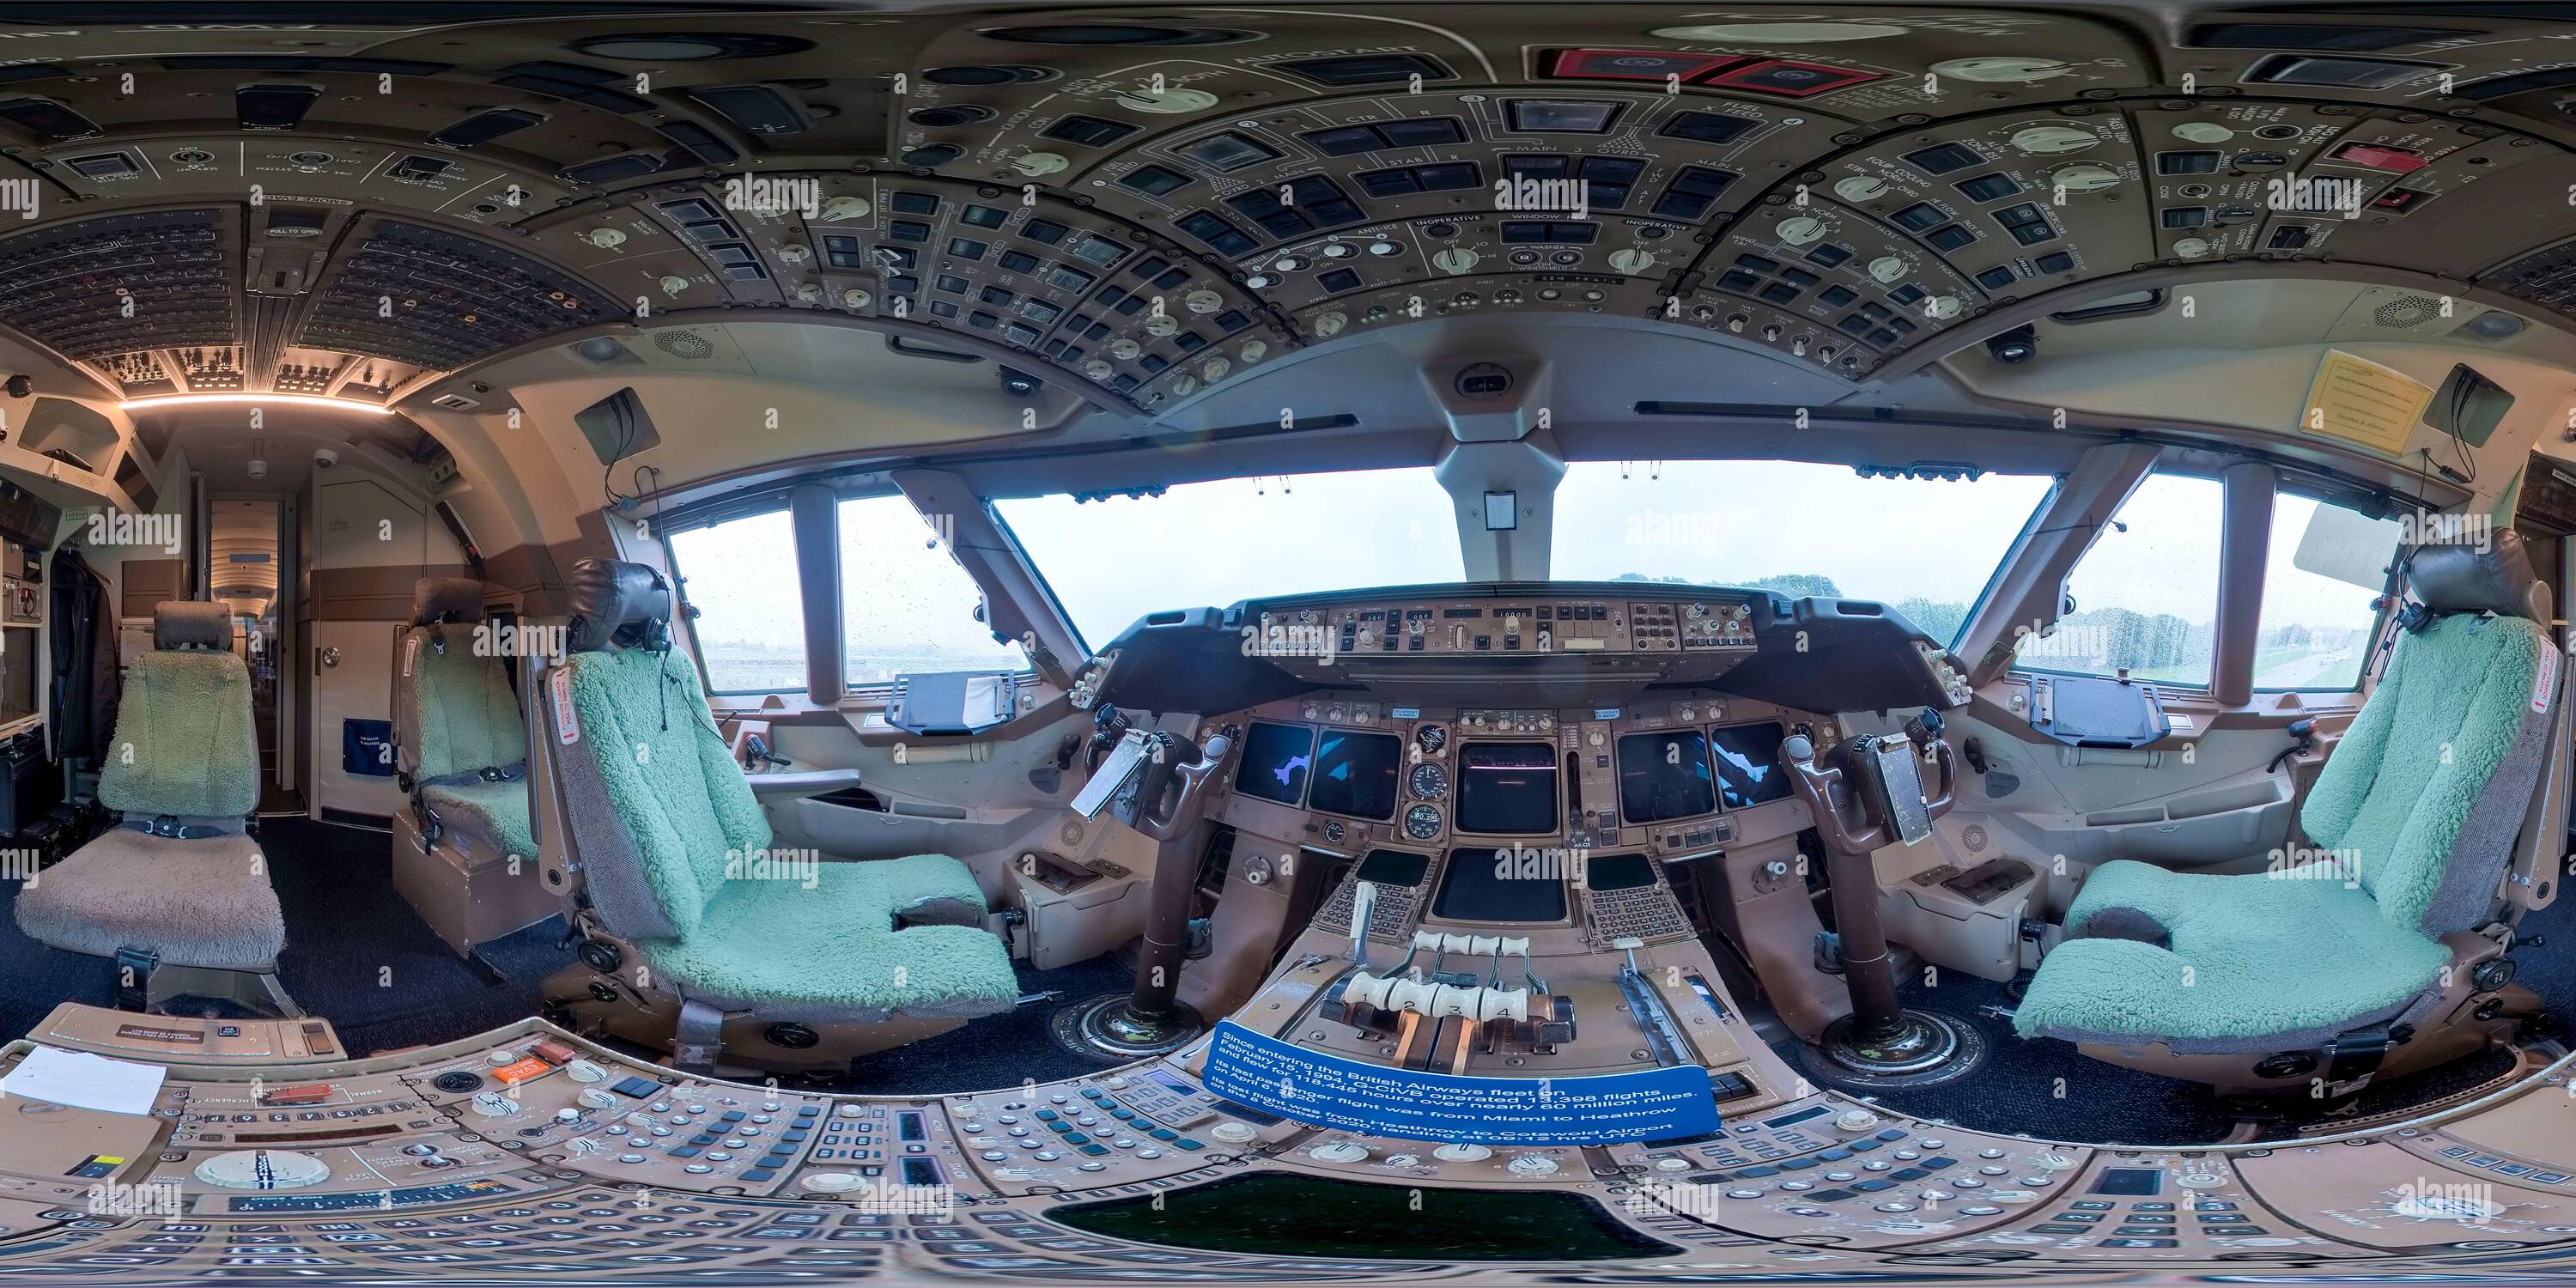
[(1233, 1133), (1340, 1151), (839, 208), (2192, 247), (794, 253), (492, 1104), (1203, 301), (596, 1098), (1214, 369), (1171, 100), (605, 238), (1941, 308), (1860, 187), (809, 292), (2083, 178), (263, 1169), (857, 297), (1531, 1165), (1631, 260), (1856, 1120), (1162, 324), (1462, 1152), (1037, 164), (1253, 351), (1329, 324), (1798, 230), (1124, 349), (1098, 368), (673, 284), (2203, 132), (1999, 69), (832, 1182), (2050, 140), (584, 1072), (1455, 259)]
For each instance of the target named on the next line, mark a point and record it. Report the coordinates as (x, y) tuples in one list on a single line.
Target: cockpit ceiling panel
[(160, 279), (1146, 210), (433, 298)]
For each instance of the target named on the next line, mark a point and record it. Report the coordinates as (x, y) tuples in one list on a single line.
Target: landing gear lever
[(1870, 793)]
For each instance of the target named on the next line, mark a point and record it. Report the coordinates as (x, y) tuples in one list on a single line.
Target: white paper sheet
[(85, 1081)]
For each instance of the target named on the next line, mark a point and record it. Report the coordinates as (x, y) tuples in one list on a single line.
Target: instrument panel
[(1673, 777)]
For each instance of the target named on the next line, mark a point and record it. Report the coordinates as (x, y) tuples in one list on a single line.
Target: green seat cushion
[(833, 951), (2426, 792), (2253, 962), (457, 714), (184, 740), (495, 811)]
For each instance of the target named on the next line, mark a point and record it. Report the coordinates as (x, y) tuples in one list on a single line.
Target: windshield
[(1196, 545), (1796, 527)]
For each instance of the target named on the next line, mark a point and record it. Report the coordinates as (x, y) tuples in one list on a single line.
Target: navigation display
[(1507, 788), (1664, 776), (1355, 774), (1276, 758), (1748, 764), (1618, 872)]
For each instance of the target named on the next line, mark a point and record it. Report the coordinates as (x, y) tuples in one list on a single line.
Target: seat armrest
[(801, 782)]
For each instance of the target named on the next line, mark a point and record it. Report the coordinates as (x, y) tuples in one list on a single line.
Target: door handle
[(330, 657)]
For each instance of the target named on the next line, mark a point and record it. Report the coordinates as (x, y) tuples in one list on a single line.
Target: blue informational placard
[(1324, 1090)]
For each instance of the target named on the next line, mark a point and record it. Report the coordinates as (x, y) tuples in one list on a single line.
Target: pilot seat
[(178, 892), (465, 855), (2369, 961), (699, 937)]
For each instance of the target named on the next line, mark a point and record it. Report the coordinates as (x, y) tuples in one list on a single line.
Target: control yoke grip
[(1174, 796), (1851, 827)]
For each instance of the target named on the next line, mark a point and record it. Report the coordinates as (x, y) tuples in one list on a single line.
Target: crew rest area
[(1329, 644)]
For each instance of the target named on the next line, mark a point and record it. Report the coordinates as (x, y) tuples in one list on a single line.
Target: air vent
[(2287, 35), (485, 126), (47, 119), (273, 107), (687, 46), (1111, 34), (1367, 69), (2407, 313), (2335, 73), (454, 402), (612, 169), (948, 114), (700, 141), (757, 109)]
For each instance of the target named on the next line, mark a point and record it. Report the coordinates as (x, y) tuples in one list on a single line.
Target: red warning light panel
[(1788, 78), (2378, 157), (1635, 64)]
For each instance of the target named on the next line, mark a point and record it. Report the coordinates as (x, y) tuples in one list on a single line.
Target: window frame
[(663, 532), (880, 691), (2364, 679), (2205, 689)]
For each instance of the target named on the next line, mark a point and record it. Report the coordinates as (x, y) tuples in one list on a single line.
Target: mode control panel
[(1138, 1124), (1506, 627)]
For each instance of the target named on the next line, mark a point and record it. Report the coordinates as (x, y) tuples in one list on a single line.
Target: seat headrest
[(192, 623), (2458, 577), (626, 604), (446, 599)]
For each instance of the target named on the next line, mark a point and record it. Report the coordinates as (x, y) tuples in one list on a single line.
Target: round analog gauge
[(1422, 823), (1432, 738), (1429, 782)]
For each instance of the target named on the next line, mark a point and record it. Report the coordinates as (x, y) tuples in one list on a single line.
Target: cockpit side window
[(2326, 565), (740, 576), (906, 603), (2146, 592)]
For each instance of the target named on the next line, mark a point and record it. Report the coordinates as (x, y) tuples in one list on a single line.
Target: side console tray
[(2090, 711)]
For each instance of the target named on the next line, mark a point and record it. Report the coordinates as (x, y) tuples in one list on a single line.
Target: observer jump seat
[(179, 891), (466, 858), (2416, 814), (674, 851)]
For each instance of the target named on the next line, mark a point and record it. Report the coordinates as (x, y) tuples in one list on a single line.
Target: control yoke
[(1870, 793), (1172, 797)]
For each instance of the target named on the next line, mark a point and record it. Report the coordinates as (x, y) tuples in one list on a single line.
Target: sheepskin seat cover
[(204, 901), (679, 861), (454, 717), (2420, 805)]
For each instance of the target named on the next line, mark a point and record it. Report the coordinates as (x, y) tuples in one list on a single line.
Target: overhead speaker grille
[(688, 346), (2407, 312)]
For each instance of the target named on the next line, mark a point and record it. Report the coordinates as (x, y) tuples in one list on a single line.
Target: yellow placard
[(2360, 401)]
